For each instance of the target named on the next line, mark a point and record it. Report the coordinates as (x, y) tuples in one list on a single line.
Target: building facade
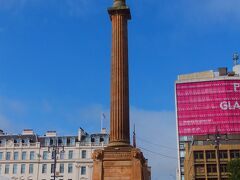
[(28, 156), (206, 102), (206, 160)]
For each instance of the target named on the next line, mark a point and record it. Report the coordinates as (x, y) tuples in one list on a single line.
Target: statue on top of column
[(119, 3)]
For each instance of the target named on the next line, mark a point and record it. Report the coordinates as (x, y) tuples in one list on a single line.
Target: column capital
[(123, 10)]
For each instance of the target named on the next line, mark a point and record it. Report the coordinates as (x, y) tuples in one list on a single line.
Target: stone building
[(206, 160), (205, 102), (28, 156)]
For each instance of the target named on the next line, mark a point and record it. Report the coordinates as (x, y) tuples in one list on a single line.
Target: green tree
[(233, 168)]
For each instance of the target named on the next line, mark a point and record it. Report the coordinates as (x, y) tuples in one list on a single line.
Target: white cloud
[(88, 117), (14, 106), (8, 109), (9, 125), (156, 132), (4, 122)]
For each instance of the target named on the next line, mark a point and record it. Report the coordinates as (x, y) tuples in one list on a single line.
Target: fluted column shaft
[(119, 115)]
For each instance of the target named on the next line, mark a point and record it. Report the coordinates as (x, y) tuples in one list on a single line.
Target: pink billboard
[(204, 107)]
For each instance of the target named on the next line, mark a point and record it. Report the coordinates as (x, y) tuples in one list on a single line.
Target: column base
[(119, 144), (120, 163)]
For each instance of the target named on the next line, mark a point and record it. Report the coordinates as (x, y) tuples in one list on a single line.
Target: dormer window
[(72, 141), (2, 142), (68, 141), (47, 141), (60, 142), (101, 139), (51, 142)]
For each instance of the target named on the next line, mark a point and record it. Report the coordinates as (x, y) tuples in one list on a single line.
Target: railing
[(2, 145), (101, 144), (91, 144), (212, 173), (18, 145), (211, 159), (199, 160)]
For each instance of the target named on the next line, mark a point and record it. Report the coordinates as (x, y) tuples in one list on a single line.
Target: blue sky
[(55, 64)]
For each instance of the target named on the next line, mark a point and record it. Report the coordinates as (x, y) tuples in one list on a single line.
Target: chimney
[(104, 131), (27, 132), (51, 134), (81, 133), (222, 71)]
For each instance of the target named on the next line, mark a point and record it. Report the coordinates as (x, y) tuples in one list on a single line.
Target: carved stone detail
[(117, 155), (137, 154), (97, 155)]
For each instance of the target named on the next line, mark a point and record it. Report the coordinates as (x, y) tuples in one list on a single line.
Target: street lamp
[(216, 141), (55, 149)]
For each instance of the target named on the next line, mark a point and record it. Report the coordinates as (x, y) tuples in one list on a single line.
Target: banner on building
[(204, 107)]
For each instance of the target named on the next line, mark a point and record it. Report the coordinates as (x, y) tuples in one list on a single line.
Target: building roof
[(220, 74), (51, 137)]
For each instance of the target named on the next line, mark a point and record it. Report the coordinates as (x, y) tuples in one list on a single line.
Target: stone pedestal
[(120, 163)]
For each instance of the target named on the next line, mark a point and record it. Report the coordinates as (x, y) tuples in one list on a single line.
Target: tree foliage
[(233, 168)]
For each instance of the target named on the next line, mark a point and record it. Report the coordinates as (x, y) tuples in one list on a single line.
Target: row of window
[(211, 179), (61, 141), (66, 141), (212, 154), (16, 155), (44, 156), (15, 169), (211, 168), (15, 141), (61, 168), (44, 169)]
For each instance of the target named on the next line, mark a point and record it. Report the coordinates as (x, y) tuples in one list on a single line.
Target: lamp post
[(216, 142), (55, 149)]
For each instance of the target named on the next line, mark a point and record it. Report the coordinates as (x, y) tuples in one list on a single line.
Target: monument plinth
[(123, 163), (119, 161)]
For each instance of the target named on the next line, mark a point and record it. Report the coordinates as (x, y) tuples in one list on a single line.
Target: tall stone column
[(119, 114), (119, 160)]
